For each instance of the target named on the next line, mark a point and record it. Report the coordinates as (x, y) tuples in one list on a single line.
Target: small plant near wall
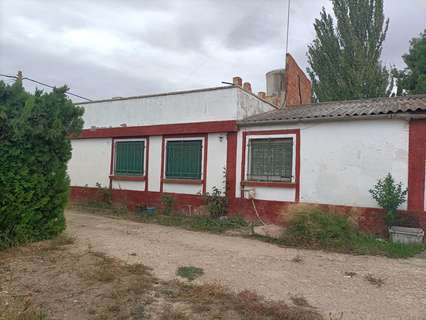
[(389, 195), (168, 203), (104, 194), (217, 203)]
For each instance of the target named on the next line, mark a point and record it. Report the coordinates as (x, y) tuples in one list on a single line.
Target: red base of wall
[(369, 219)]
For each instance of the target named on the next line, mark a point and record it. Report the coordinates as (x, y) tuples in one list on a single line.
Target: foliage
[(412, 80), (389, 195), (197, 223), (344, 58), (316, 229), (33, 161), (217, 203), (168, 202), (189, 272), (104, 194)]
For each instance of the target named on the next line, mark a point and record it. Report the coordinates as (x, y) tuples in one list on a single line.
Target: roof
[(342, 110)]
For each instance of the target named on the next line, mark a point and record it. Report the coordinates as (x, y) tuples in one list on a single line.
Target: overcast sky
[(107, 48)]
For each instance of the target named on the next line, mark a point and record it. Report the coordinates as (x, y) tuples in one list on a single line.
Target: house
[(185, 143)]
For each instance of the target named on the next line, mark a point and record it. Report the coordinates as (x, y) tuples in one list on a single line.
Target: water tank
[(275, 82)]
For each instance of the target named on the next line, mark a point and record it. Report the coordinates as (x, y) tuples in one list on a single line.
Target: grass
[(315, 229), (189, 272), (193, 223), (20, 310)]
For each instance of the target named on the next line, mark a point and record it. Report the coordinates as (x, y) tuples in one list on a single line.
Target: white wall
[(129, 185), (249, 105), (215, 105), (216, 161), (342, 160), (154, 166), (90, 162)]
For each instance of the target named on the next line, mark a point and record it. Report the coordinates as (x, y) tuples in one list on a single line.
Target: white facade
[(340, 161)]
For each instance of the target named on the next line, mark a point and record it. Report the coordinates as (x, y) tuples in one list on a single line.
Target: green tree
[(34, 152), (344, 58), (413, 79)]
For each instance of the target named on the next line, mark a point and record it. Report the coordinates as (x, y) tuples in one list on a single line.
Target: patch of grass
[(214, 299), (197, 223), (316, 229), (300, 301), (189, 272), (297, 259), (375, 281)]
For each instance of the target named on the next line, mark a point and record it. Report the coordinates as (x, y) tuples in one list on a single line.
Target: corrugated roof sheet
[(342, 109)]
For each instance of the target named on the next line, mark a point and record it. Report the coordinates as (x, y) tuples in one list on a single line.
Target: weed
[(20, 310), (375, 281), (315, 229), (297, 259), (300, 301), (189, 272), (168, 202)]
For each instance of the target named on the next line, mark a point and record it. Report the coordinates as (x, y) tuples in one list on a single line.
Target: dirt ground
[(359, 287)]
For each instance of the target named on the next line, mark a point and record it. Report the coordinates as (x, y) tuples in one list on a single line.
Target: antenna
[(288, 27)]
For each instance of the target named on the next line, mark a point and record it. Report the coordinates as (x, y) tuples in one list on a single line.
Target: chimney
[(297, 86), (237, 81), (19, 76), (247, 86), (261, 95)]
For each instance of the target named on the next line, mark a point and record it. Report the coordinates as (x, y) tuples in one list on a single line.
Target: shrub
[(33, 161), (389, 195), (314, 227), (168, 202), (217, 203)]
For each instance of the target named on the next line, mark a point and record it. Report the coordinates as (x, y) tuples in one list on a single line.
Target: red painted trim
[(182, 181), (162, 129), (206, 146), (271, 184), (128, 178), (416, 165), (111, 165), (163, 142), (274, 132), (231, 164), (147, 164)]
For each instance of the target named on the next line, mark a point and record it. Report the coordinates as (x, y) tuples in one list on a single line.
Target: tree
[(412, 80), (344, 58), (34, 152)]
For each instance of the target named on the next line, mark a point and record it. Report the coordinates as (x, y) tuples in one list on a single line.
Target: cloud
[(118, 48)]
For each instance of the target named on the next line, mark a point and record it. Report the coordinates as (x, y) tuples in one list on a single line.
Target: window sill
[(128, 178), (271, 184), (183, 181)]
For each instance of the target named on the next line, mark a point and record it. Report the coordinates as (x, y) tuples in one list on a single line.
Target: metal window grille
[(184, 159), (270, 160), (129, 158)]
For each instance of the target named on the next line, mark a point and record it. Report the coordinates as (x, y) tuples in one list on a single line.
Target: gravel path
[(267, 269)]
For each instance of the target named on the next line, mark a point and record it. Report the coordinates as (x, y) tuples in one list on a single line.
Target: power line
[(44, 84)]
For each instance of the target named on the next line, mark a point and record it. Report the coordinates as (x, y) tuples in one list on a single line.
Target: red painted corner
[(416, 165)]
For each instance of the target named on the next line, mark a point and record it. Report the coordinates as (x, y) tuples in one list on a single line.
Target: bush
[(217, 203), (33, 161), (168, 202), (389, 195)]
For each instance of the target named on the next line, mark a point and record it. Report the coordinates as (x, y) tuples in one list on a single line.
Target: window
[(184, 159), (129, 158), (270, 159)]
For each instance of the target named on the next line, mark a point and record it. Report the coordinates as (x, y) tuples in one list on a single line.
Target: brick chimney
[(237, 81), (247, 86), (297, 86)]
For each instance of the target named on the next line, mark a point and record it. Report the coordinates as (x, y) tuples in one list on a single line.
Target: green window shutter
[(184, 159), (270, 159), (129, 158)]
